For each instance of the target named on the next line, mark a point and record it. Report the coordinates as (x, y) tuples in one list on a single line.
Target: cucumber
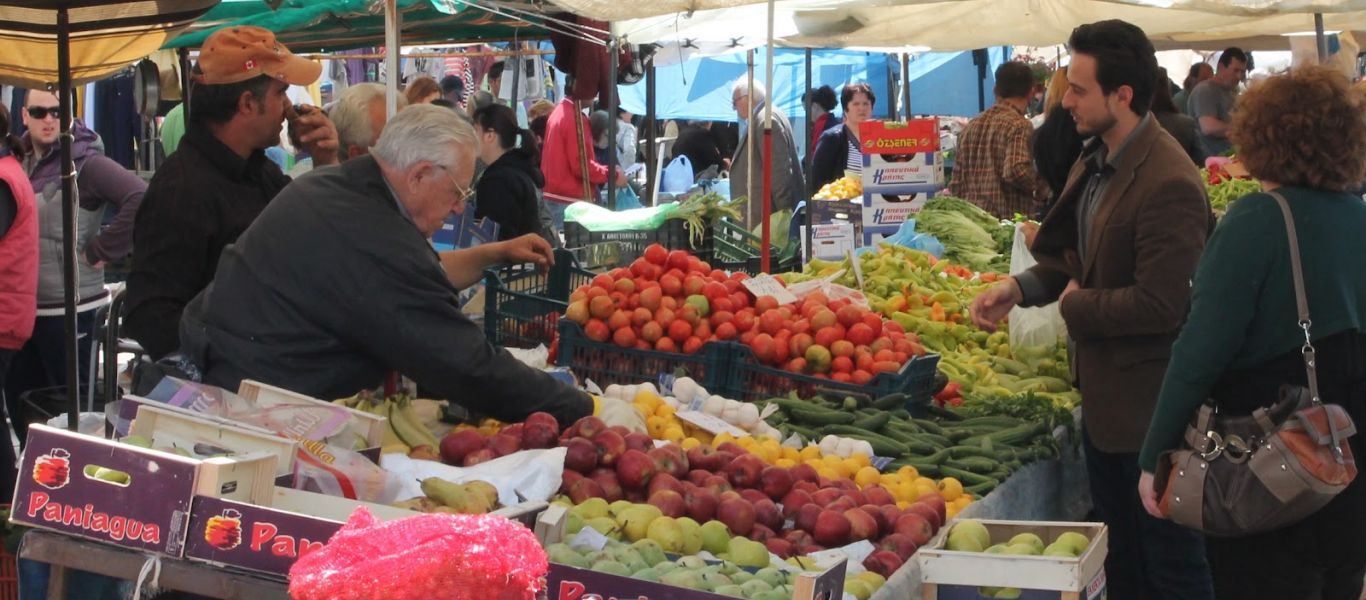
[(816, 416), (925, 469), (981, 489), (929, 426), (960, 452), (942, 413), (891, 401), (811, 435), (995, 421), (967, 478), (937, 440), (874, 422), (976, 464), (901, 414)]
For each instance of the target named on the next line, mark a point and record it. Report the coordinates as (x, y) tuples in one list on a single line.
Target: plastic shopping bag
[(627, 199), (677, 177), (1042, 326)]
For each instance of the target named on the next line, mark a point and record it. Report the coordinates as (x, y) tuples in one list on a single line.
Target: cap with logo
[(236, 54)]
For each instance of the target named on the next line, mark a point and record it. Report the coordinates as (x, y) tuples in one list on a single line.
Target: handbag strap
[(1301, 301)]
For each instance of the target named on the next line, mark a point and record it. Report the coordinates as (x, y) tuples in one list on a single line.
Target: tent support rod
[(765, 234), (810, 122), (183, 54), (1320, 38), (613, 58), (393, 23), (906, 83), (651, 128), (73, 382), (480, 54), (891, 89)]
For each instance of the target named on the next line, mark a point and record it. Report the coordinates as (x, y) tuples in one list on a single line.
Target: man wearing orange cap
[(218, 180)]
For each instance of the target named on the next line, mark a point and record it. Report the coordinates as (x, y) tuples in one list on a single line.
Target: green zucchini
[(813, 415), (874, 422)]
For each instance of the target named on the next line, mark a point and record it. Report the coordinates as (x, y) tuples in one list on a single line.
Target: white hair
[(424, 132), (351, 114), (742, 87)]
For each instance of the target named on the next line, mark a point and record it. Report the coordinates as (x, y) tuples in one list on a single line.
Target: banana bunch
[(407, 432), (472, 498)]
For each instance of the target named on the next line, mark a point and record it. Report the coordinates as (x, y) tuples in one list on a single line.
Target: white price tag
[(588, 538), (855, 552), (710, 424), (698, 401), (764, 284), (858, 269)]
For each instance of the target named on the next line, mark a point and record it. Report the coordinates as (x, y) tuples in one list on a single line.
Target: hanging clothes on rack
[(117, 116)]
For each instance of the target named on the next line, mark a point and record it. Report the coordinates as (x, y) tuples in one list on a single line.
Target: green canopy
[(329, 25)]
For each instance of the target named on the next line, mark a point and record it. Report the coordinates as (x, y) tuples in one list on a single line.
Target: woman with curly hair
[(1302, 134)]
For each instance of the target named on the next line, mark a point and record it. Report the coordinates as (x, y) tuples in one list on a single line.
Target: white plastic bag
[(677, 178), (1041, 326)]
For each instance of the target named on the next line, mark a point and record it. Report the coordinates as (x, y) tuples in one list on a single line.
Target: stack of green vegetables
[(971, 236), (701, 210), (1222, 190)]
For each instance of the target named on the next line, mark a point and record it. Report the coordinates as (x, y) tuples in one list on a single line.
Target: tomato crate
[(606, 363), (674, 234), (522, 305), (749, 380)]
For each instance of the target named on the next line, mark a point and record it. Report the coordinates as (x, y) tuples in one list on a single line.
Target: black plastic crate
[(606, 363), (674, 234), (522, 306), (749, 380)]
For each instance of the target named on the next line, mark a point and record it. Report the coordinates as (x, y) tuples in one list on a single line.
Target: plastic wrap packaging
[(425, 557)]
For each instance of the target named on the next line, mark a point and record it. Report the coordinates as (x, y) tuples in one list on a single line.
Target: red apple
[(804, 485), (807, 516), (825, 496), (776, 482), (805, 472), (842, 504), (899, 543), (926, 510), (861, 525), (639, 441), (504, 444), (700, 504), (798, 538), (737, 514), (670, 459), (635, 469), (668, 502), (541, 431), (743, 472), (705, 458), (794, 501), (698, 476), (634, 496), (734, 449), (479, 456), (767, 513), (889, 515), (514, 430), (832, 529), (580, 455), (456, 444), (879, 495), (584, 489), (915, 527), (936, 501), (752, 495), (761, 533), (717, 483), (810, 549), (883, 562), (883, 525), (589, 427), (607, 480), (567, 480), (664, 481), (610, 446), (779, 546)]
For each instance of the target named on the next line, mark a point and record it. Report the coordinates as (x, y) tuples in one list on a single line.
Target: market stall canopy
[(328, 25), (105, 37)]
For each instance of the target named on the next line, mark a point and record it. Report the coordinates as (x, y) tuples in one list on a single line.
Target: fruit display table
[(64, 552), (1052, 490)]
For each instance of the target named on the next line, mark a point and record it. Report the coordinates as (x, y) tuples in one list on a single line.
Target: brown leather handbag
[(1238, 476)]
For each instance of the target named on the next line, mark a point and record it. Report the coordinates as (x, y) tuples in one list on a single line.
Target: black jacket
[(1183, 128), (831, 158), (332, 288), (699, 145), (507, 193)]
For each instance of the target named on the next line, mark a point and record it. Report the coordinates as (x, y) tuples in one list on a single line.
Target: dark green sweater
[(1243, 302)]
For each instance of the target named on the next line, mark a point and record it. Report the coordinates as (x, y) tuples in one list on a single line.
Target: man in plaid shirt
[(994, 168)]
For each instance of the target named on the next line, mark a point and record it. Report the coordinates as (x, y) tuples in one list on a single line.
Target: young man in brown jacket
[(1118, 252)]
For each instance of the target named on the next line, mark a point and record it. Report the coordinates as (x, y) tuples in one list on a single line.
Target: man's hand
[(621, 179), (1072, 286), (994, 304), (315, 134), (1148, 494), (529, 248)]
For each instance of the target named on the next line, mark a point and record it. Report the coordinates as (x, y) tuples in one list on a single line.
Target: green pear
[(754, 586), (748, 553), (857, 588), (668, 533), (692, 563), (740, 577), (996, 549), (692, 535), (771, 575), (629, 557), (635, 521), (591, 508), (665, 568), (1028, 538), (715, 537), (987, 591), (715, 580), (649, 574), (730, 589), (604, 525), (682, 578), (616, 508), (772, 595), (572, 524), (1063, 549), (137, 440), (562, 554), (728, 568), (611, 567), (650, 551), (1008, 593), (973, 529), (964, 540), (1077, 541)]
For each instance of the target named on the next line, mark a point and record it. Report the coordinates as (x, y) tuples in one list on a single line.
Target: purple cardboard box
[(253, 537), (57, 490), (570, 583)]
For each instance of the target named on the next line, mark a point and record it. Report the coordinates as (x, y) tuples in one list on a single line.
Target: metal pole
[(184, 55), (764, 258), (516, 77), (393, 23), (810, 122), (73, 382), (891, 89), (612, 60), (652, 130), (906, 83), (750, 141), (1320, 38)]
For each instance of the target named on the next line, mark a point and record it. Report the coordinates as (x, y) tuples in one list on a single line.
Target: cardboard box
[(831, 242), (951, 575), (464, 231), (872, 236), (166, 427), (899, 137), (881, 209), (267, 528), (361, 423), (148, 512), (893, 172)]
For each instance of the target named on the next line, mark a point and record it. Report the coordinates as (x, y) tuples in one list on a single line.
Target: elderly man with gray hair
[(359, 116), (789, 184), (336, 285)]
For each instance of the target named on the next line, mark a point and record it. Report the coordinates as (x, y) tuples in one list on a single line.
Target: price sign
[(713, 425), (767, 285)]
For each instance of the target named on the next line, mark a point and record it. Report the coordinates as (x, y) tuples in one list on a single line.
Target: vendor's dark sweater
[(1243, 318), (332, 287)]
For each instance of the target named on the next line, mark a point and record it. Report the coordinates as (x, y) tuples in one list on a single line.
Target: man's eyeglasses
[(42, 112), (735, 101), (464, 192)]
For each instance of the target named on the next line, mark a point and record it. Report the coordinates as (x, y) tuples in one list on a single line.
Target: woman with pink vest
[(18, 275)]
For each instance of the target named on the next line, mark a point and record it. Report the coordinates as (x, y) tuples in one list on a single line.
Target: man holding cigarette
[(219, 179)]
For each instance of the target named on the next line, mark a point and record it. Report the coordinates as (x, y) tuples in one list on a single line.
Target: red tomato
[(841, 377), (884, 356), (692, 345), (842, 364), (763, 304), (678, 259), (604, 281), (872, 320), (762, 345), (656, 254), (744, 320), (624, 337), (849, 315), (726, 331), (714, 290), (827, 336), (861, 377), (722, 304), (721, 316), (861, 334), (718, 275), (680, 331), (666, 344), (597, 330)]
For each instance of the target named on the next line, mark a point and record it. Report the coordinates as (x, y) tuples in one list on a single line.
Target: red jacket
[(18, 260), (560, 156)]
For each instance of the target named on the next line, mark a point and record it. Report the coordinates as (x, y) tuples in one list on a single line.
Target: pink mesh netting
[(426, 557)]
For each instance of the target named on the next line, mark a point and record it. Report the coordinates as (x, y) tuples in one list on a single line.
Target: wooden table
[(64, 552)]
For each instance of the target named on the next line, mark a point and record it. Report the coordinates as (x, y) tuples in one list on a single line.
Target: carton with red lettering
[(912, 136), (115, 493)]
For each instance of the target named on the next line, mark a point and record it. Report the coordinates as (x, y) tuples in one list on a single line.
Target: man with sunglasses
[(218, 180), (102, 184), (336, 284)]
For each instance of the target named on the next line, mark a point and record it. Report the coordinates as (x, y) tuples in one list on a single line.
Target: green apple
[(591, 508), (635, 521), (612, 567), (1008, 593), (996, 549), (692, 535), (1025, 549), (650, 551), (748, 553), (974, 529), (964, 540), (715, 537), (1077, 541), (646, 575), (1028, 538), (1060, 549)]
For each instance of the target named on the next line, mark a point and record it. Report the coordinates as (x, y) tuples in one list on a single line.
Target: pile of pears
[(644, 559), (470, 498), (970, 535)]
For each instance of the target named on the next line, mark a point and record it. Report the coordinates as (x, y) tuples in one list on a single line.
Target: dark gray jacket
[(331, 288)]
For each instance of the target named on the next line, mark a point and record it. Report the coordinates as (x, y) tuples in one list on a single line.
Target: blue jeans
[(1149, 558)]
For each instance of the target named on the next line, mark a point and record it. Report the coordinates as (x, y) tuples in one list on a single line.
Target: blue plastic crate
[(522, 305)]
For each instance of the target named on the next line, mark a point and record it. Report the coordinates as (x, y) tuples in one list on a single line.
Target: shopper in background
[(18, 279), (838, 149), (789, 183), (1198, 73), (1211, 101), (1180, 126), (560, 157), (422, 90), (540, 108), (599, 121), (102, 184), (1242, 341), (1056, 143), (818, 105), (696, 142), (994, 168), (1117, 253), (359, 117), (453, 91), (509, 191), (626, 139), (336, 285), (495, 79), (215, 184)]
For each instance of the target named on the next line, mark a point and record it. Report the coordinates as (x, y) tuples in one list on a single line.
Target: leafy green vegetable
[(701, 210)]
